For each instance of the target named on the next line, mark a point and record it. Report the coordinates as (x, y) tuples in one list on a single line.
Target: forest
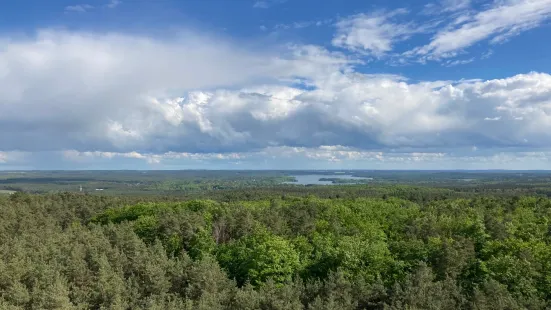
[(289, 247), (208, 183)]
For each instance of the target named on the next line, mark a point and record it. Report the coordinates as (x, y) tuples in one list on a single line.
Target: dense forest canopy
[(397, 247)]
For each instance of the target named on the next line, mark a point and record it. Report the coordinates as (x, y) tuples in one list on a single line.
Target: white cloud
[(322, 157), (265, 4), (260, 5), (303, 24), (374, 34), (499, 22), (104, 81), (81, 8), (151, 158), (77, 156), (113, 4), (11, 157), (325, 153), (451, 63), (118, 96), (487, 54), (364, 112), (446, 6)]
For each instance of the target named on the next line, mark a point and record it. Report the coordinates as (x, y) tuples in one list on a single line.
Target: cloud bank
[(80, 96)]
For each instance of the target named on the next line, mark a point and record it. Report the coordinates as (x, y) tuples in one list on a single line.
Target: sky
[(275, 84)]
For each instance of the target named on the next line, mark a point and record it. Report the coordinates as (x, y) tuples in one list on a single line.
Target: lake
[(314, 179)]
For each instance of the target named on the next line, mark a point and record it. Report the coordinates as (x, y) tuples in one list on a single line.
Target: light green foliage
[(201, 244), (146, 227), (260, 257)]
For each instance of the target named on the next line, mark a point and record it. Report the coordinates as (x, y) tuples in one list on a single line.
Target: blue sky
[(275, 84)]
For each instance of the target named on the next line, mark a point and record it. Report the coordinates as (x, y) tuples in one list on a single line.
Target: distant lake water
[(314, 179)]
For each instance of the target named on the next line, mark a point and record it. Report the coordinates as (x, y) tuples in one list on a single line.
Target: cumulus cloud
[(497, 23), (355, 110), (66, 90)]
